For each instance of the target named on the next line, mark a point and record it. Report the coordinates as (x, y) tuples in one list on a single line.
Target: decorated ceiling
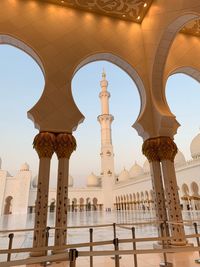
[(132, 10)]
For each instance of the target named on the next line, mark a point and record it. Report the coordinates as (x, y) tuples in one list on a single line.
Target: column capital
[(44, 144), (150, 149), (167, 149), (65, 144), (159, 149)]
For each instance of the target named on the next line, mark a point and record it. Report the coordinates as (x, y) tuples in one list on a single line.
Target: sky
[(22, 83)]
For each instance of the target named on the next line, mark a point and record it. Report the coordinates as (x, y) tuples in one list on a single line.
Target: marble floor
[(177, 259), (22, 239)]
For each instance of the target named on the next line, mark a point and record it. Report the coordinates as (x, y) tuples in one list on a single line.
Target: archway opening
[(8, 205), (182, 95), (125, 106), (22, 83)]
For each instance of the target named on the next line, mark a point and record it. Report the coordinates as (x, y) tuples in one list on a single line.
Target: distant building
[(128, 190)]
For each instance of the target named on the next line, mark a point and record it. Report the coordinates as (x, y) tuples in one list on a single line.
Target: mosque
[(150, 40), (128, 190)]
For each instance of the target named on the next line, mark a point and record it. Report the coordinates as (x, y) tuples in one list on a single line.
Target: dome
[(146, 167), (124, 175), (195, 147), (136, 170), (92, 180), (179, 159), (35, 182), (70, 181), (24, 167)]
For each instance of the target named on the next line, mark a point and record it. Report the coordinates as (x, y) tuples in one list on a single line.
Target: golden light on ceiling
[(134, 10)]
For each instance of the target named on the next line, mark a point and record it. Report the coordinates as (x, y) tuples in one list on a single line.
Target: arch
[(7, 39), (74, 200), (16, 42), (194, 188), (124, 65), (8, 205), (95, 201), (188, 70), (88, 200), (81, 201), (146, 195), (162, 52), (185, 189)]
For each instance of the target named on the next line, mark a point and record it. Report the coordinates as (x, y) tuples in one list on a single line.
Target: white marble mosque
[(129, 190)]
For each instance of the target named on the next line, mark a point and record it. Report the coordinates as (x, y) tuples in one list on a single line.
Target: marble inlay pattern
[(133, 10)]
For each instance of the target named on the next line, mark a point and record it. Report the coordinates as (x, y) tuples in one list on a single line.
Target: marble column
[(167, 152), (44, 145), (150, 150), (65, 144)]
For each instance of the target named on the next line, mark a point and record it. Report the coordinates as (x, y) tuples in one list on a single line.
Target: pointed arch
[(124, 65)]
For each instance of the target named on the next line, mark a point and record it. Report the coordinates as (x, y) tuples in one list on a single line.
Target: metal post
[(134, 247), (91, 247), (47, 238), (46, 244), (73, 254), (197, 238), (165, 263), (116, 246), (10, 236), (114, 230)]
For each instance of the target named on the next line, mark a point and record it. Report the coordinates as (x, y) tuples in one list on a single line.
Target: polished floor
[(177, 259), (106, 233)]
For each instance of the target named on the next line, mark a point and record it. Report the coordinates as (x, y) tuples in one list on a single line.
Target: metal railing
[(72, 252)]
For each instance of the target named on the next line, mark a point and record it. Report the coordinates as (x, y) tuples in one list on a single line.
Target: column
[(44, 145), (167, 152), (150, 150), (65, 144)]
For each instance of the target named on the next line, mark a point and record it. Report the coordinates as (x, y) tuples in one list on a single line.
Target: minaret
[(107, 155)]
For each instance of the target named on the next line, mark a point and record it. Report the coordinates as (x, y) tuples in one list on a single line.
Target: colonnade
[(46, 143), (160, 152), (127, 203)]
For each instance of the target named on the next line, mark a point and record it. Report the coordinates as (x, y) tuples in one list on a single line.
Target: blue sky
[(22, 82)]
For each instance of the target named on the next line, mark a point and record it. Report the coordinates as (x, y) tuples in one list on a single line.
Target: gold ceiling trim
[(192, 28), (131, 10)]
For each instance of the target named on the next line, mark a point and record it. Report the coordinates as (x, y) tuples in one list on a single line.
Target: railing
[(72, 252)]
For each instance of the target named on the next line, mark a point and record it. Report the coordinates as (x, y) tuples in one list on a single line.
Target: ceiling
[(132, 10)]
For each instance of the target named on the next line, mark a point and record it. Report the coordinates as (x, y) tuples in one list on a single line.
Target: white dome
[(24, 167), (92, 180), (35, 182), (146, 167), (179, 159), (124, 175), (195, 147), (135, 170), (70, 181)]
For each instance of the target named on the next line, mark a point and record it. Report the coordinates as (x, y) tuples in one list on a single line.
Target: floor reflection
[(24, 239)]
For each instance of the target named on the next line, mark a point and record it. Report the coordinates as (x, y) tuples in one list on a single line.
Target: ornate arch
[(124, 65)]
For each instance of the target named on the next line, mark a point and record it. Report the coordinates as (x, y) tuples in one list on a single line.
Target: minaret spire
[(107, 155)]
